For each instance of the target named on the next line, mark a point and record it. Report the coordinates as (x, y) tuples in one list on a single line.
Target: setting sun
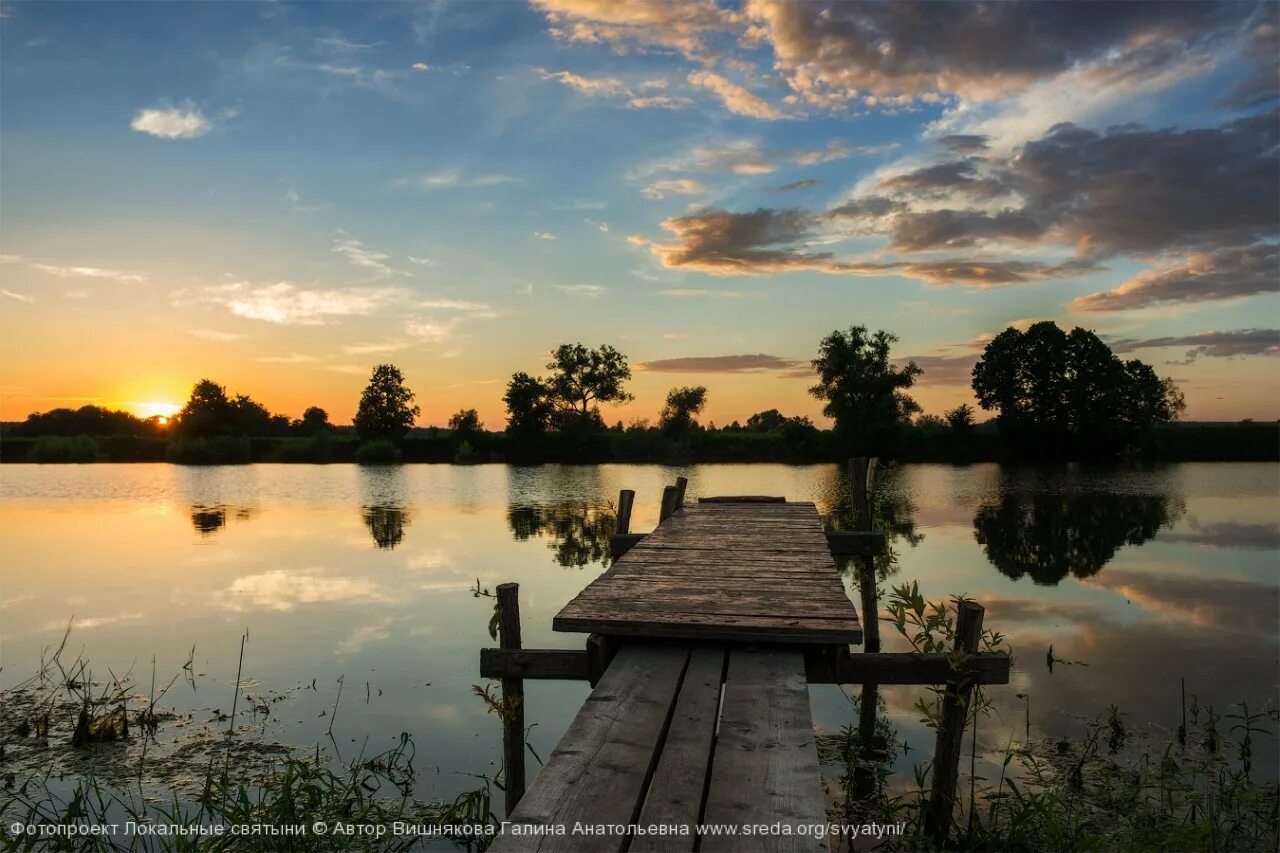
[(164, 411)]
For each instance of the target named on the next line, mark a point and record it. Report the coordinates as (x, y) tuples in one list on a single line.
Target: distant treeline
[(1055, 394), (1208, 441)]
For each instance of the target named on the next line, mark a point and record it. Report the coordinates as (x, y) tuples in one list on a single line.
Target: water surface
[(1138, 578)]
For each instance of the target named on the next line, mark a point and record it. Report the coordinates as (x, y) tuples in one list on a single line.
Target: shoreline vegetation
[(1055, 395)]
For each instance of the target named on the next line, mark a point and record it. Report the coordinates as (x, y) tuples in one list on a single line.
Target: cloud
[(89, 272), (338, 44), (672, 186), (544, 235), (614, 89), (292, 358), (681, 293), (749, 157), (591, 291), (456, 305), (807, 183), (679, 26), (942, 369), (756, 363), (361, 255), (735, 98), (21, 297), (453, 178), (215, 335), (286, 303), (172, 122), (1204, 276), (1232, 344), (432, 330), (374, 348)]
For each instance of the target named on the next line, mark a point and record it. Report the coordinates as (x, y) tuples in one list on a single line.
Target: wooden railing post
[(682, 483), (955, 710), (862, 477), (626, 499), (668, 503), (512, 698)]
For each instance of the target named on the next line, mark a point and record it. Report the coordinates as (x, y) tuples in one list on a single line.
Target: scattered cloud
[(374, 347), (684, 293), (544, 235), (454, 178), (215, 335), (89, 272), (612, 88), (1225, 344), (805, 184), (21, 297), (338, 44), (757, 363), (292, 358), (361, 255), (172, 122), (1204, 276), (422, 262), (591, 291), (735, 98), (672, 186), (287, 303)]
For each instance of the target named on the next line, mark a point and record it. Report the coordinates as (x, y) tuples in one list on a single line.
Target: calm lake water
[(1138, 577)]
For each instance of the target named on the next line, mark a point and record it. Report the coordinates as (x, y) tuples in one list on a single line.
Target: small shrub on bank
[(57, 448), (213, 450), (378, 452)]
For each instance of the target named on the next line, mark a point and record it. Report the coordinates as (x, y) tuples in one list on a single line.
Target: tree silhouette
[(863, 392), (583, 378), (466, 421), (386, 407), (529, 406), (1062, 393), (679, 416), (314, 419)]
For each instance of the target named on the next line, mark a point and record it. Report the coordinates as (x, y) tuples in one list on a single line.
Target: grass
[(378, 452), (1117, 788), (81, 752), (56, 448)]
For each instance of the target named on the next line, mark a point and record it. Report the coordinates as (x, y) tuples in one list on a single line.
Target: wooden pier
[(704, 637)]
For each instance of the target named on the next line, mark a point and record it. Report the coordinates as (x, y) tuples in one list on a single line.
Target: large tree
[(863, 392), (682, 409), (529, 406), (581, 379), (1061, 393), (386, 407)]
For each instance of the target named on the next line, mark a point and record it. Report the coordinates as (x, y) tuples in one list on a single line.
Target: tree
[(529, 406), (682, 409), (86, 420), (1063, 393), (864, 394), (386, 407), (582, 378), (208, 411), (960, 419), (766, 421), (314, 419), (466, 421)]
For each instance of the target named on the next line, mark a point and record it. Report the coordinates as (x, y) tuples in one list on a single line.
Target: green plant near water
[(57, 448), (210, 450), (1120, 787), (380, 451)]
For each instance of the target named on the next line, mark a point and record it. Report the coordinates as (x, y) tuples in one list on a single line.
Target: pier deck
[(727, 571)]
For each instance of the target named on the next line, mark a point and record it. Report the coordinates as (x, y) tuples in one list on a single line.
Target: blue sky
[(279, 196)]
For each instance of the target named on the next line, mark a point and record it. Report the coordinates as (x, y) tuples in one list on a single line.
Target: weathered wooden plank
[(586, 618), (643, 587), (765, 768), (598, 771), (742, 499), (680, 778), (533, 663)]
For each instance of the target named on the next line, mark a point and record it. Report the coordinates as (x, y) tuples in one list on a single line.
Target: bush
[(318, 448), (380, 451), (213, 450), (57, 448), (466, 454)]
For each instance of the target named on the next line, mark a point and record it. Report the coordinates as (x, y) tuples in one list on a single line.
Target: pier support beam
[(513, 773), (955, 710)]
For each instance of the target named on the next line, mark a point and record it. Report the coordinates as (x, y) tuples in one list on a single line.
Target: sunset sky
[(278, 196)]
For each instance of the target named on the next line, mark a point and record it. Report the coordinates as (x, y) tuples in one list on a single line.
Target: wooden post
[(626, 498), (955, 710), (668, 503), (682, 483), (512, 698), (600, 651), (862, 477)]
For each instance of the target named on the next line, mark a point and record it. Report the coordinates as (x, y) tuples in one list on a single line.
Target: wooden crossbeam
[(858, 668), (842, 543)]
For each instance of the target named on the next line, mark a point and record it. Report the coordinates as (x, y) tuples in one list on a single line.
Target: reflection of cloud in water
[(285, 590), (1227, 534), (358, 638), (92, 622), (1224, 605)]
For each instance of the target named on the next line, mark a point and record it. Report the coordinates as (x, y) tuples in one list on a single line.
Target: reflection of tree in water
[(208, 520), (386, 524), (1048, 535), (383, 504), (579, 531)]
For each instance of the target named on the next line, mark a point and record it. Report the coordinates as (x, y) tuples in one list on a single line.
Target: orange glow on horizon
[(161, 410)]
